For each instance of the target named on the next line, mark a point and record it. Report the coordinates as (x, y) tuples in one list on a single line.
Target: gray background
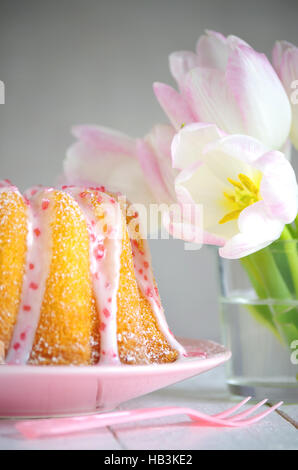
[(72, 62)]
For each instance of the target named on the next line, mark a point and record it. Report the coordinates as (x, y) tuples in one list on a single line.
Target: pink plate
[(42, 391)]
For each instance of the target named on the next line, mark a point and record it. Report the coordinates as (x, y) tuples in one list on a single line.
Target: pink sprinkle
[(106, 313), (99, 252), (102, 189), (96, 275), (141, 271), (23, 336), (102, 326), (146, 278), (112, 200), (149, 292), (156, 291), (135, 243), (107, 285), (33, 286), (27, 202), (16, 346), (33, 192), (109, 299), (45, 204), (99, 199), (103, 352), (93, 222), (8, 182), (141, 252), (31, 266), (83, 194), (26, 308), (92, 237), (64, 187), (146, 264), (37, 232)]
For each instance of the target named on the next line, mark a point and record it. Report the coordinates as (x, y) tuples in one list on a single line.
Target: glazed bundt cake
[(75, 288)]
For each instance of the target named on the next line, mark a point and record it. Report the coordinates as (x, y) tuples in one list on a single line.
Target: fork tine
[(258, 417), (249, 411), (231, 410)]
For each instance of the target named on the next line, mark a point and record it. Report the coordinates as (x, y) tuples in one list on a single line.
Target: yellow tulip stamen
[(230, 216), (248, 183), (230, 197), (235, 183), (244, 193)]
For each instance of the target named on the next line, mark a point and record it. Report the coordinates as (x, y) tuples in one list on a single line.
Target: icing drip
[(145, 280), (36, 271), (105, 252), (6, 185)]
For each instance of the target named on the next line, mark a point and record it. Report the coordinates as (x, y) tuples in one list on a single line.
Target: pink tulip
[(228, 83), (285, 61), (141, 169)]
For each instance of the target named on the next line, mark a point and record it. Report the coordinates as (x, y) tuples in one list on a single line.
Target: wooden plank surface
[(206, 393)]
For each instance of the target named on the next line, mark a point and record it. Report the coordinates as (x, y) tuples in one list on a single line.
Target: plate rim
[(221, 356)]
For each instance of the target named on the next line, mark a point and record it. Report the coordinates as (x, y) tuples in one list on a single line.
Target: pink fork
[(50, 427)]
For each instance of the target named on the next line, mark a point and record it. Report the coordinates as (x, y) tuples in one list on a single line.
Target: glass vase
[(259, 319)]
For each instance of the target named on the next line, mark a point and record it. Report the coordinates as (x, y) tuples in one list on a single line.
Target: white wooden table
[(206, 392)]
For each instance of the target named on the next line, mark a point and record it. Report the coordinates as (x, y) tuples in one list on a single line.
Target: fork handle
[(50, 427)]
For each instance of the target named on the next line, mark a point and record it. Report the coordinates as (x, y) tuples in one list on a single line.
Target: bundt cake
[(75, 287)]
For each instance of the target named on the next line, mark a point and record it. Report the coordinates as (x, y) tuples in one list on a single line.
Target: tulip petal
[(151, 170), (188, 144), (185, 200), (185, 223), (173, 105), (160, 139), (231, 155), (198, 185), (285, 59), (278, 186), (105, 139), (262, 101), (278, 51), (211, 99), (257, 230), (180, 63), (118, 172), (212, 51)]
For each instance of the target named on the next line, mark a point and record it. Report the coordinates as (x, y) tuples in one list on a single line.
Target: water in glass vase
[(262, 363)]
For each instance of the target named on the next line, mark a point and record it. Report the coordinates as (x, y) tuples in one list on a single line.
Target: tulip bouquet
[(233, 119)]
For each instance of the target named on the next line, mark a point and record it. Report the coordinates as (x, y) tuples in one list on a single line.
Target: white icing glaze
[(36, 272), (105, 255)]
